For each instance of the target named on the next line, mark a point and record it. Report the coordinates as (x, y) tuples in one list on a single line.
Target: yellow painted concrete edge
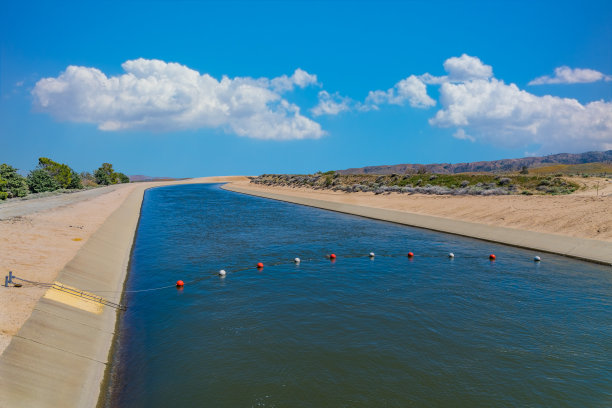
[(579, 248), (70, 298)]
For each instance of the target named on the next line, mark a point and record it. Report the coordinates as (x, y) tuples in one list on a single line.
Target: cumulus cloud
[(567, 75), (300, 78), (331, 104), (501, 113), (158, 95), (411, 89), (465, 68), (459, 69)]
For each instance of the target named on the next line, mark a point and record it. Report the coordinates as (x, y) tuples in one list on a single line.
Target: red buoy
[(259, 265), (410, 254), (332, 256), (179, 284), (492, 257)]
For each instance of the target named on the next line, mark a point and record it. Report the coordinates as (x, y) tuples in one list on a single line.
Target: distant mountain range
[(504, 165), (139, 177)]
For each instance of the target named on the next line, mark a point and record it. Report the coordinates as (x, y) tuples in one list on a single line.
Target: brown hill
[(505, 165)]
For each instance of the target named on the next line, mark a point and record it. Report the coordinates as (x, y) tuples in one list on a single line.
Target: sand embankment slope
[(579, 226), (40, 236), (58, 348)]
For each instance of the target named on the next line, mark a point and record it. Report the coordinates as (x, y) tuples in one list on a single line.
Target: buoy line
[(260, 266)]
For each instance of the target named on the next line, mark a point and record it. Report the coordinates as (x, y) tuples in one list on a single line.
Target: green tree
[(524, 170), (12, 183), (105, 174), (75, 182), (3, 194), (123, 178), (40, 181), (62, 173)]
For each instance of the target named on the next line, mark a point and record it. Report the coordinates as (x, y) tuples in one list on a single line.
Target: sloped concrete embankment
[(59, 356)]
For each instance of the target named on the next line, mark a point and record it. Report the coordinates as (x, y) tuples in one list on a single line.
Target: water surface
[(387, 332)]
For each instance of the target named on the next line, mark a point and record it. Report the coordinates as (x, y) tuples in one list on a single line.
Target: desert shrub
[(504, 181), (40, 181), (12, 183), (75, 182), (494, 191), (465, 183), (3, 195), (88, 180)]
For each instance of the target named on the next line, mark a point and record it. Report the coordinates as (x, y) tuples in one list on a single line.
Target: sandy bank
[(55, 351), (578, 225)]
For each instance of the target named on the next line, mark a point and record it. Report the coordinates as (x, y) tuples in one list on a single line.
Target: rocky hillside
[(506, 165)]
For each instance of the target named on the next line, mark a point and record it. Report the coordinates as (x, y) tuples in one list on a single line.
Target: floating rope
[(296, 261)]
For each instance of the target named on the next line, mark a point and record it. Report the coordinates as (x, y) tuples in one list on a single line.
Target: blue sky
[(309, 85)]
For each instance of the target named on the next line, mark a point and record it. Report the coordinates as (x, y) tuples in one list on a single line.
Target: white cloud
[(157, 95), (410, 89), (299, 78), (429, 79), (567, 75), (461, 135), (503, 114), (331, 104), (465, 68)]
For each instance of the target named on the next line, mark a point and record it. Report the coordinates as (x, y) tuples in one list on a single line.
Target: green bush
[(12, 183), (123, 178), (39, 181), (63, 175), (105, 175), (75, 182)]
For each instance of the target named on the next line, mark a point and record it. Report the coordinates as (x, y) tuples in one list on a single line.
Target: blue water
[(388, 332)]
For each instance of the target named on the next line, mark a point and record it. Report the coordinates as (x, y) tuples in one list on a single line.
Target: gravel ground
[(20, 207)]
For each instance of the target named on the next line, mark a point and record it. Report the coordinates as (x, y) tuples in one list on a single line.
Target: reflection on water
[(386, 332)]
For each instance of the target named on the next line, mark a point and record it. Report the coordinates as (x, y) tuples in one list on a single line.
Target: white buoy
[(221, 273), (296, 260), (537, 259), (371, 254), (451, 255)]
